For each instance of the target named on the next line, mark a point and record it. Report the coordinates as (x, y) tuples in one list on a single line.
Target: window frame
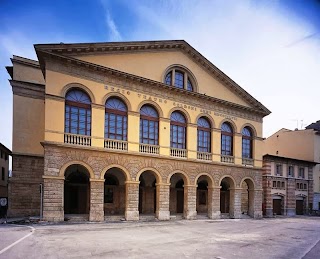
[(276, 170), (188, 80), (123, 119), (79, 107), (291, 175), (155, 127), (178, 125), (227, 135), (244, 142), (206, 139)]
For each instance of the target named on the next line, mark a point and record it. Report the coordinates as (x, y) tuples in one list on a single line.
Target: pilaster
[(163, 194), (190, 198), (235, 203), (132, 200), (255, 203), (214, 202), (96, 200)]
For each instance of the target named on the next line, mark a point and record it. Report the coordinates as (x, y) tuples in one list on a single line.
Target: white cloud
[(114, 34)]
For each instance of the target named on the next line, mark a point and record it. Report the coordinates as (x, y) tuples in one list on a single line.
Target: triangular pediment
[(151, 59)]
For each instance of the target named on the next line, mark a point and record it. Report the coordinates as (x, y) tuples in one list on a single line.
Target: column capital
[(163, 184), (236, 189), (190, 185), (214, 188), (53, 177), (132, 182), (96, 180)]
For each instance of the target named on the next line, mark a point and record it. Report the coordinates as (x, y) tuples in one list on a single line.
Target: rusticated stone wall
[(24, 186), (97, 162)]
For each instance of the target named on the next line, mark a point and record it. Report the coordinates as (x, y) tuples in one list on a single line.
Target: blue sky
[(270, 47)]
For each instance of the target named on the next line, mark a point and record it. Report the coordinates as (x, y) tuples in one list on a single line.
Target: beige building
[(301, 145), (129, 129), (4, 167)]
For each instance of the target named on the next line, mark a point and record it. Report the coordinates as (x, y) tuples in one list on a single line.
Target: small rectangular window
[(282, 184), (2, 174), (290, 171), (279, 170), (274, 184), (301, 172), (305, 186), (297, 186)]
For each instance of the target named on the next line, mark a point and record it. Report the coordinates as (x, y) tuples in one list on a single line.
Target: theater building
[(130, 129)]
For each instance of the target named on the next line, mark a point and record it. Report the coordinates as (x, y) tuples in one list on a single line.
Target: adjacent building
[(4, 167), (129, 129)]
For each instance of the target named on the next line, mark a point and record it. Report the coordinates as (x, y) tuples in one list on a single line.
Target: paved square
[(266, 238)]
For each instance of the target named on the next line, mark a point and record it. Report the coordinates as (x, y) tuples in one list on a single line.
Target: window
[(305, 186), (204, 135), (282, 184), (226, 139), (301, 172), (180, 78), (279, 170), (178, 126), (115, 119), (274, 184), (2, 174), (149, 125), (78, 113), (290, 171), (246, 142)]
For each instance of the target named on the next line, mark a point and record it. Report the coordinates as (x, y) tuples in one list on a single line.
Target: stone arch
[(208, 117), (152, 103), (118, 95), (153, 170), (253, 129), (251, 181), (228, 176), (185, 176), (184, 69), (69, 86), (74, 162), (210, 184), (233, 125), (184, 112), (124, 170)]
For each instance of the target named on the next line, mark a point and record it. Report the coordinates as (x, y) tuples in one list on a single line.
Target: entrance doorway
[(177, 195), (147, 193), (277, 201), (76, 190)]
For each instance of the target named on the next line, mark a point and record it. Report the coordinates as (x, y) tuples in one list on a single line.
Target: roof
[(291, 158), (66, 51), (314, 126), (3, 147)]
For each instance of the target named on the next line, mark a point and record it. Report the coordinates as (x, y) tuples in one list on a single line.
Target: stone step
[(114, 218), (76, 217), (245, 216), (147, 217), (176, 217), (225, 216), (202, 216)]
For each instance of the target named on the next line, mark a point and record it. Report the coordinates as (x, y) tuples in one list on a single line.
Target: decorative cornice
[(67, 50), (26, 89)]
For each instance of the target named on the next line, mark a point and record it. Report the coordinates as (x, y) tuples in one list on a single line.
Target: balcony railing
[(247, 161), (150, 149), (227, 159), (74, 139), (116, 144), (177, 152), (204, 156)]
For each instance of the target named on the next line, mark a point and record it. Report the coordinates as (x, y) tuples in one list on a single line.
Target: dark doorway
[(76, 190), (180, 196), (224, 197), (147, 193), (299, 207), (277, 206)]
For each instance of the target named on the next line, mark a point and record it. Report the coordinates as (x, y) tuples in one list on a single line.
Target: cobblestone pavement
[(246, 238)]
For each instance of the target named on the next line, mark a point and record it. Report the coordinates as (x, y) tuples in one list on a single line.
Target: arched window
[(180, 78), (149, 125), (246, 142), (204, 135), (116, 119), (178, 127), (77, 112), (226, 139)]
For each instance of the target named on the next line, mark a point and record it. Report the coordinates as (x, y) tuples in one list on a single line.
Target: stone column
[(132, 200), (214, 202), (267, 197), (190, 202), (96, 200), (53, 202), (290, 197), (256, 200), (235, 203), (163, 199)]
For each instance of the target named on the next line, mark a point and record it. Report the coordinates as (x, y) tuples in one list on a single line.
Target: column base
[(191, 215), (163, 215), (269, 213), (96, 216), (235, 215), (132, 215), (53, 216), (291, 212), (214, 214), (257, 214)]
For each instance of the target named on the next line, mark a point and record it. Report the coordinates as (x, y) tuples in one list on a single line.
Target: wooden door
[(299, 207), (277, 206)]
